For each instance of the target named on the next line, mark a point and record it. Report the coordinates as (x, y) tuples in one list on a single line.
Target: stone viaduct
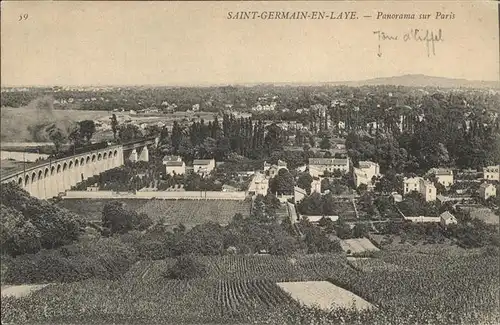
[(50, 177)]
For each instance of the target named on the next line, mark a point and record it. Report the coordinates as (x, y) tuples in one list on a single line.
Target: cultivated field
[(358, 245), (20, 290), (246, 292), (187, 212), (366, 264), (324, 295)]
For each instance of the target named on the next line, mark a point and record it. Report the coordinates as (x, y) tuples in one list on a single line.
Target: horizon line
[(256, 83)]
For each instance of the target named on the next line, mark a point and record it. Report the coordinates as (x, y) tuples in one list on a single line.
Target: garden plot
[(323, 294), (358, 245), (21, 290)]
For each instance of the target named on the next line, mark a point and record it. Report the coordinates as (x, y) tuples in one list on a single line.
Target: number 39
[(23, 17)]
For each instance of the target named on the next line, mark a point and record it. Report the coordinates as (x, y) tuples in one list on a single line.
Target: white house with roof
[(316, 185), (318, 166), (258, 185), (174, 165), (447, 219), (364, 174), (424, 187), (203, 166), (444, 176), (273, 169), (492, 173), (299, 194), (487, 190)]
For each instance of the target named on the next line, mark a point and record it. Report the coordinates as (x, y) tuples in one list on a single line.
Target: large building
[(444, 176), (487, 190), (365, 173), (203, 166), (318, 166), (422, 186), (174, 165), (492, 173)]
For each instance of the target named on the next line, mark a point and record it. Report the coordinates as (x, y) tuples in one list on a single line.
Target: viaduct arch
[(51, 177)]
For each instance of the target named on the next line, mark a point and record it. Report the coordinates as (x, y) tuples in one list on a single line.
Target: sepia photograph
[(250, 162)]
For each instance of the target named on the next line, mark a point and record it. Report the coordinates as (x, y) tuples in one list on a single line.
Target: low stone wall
[(166, 195)]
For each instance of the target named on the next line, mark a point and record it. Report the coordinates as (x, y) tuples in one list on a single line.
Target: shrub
[(185, 268)]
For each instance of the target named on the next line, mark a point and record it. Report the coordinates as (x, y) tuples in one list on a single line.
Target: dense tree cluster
[(29, 224), (117, 219), (318, 205), (219, 139)]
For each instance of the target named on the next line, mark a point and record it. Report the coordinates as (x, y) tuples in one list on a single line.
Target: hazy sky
[(112, 43)]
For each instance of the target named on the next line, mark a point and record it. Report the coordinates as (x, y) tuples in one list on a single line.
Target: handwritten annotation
[(428, 37)]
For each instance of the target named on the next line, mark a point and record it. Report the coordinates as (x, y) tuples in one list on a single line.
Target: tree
[(114, 125), (360, 230), (57, 137), (117, 219), (87, 129), (328, 204), (186, 267), (204, 239), (129, 132), (284, 182), (304, 181), (311, 205), (325, 143), (55, 226), (17, 235)]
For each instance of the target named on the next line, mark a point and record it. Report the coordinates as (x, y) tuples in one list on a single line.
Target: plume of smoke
[(31, 123)]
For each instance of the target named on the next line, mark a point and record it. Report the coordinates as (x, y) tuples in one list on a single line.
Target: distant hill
[(419, 80)]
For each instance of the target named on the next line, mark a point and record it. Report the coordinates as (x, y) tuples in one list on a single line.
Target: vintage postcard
[(250, 162)]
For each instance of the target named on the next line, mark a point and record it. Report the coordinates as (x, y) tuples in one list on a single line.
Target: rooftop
[(485, 185), (203, 161), (328, 161), (494, 168), (441, 171), (447, 215), (367, 164), (172, 158), (174, 163)]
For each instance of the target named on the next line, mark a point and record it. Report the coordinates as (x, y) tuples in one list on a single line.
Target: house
[(492, 173), (424, 187), (447, 219), (318, 166), (316, 186), (203, 166), (364, 174), (423, 219), (258, 185), (397, 197), (316, 219), (444, 176), (174, 165), (487, 190), (299, 194), (272, 169)]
